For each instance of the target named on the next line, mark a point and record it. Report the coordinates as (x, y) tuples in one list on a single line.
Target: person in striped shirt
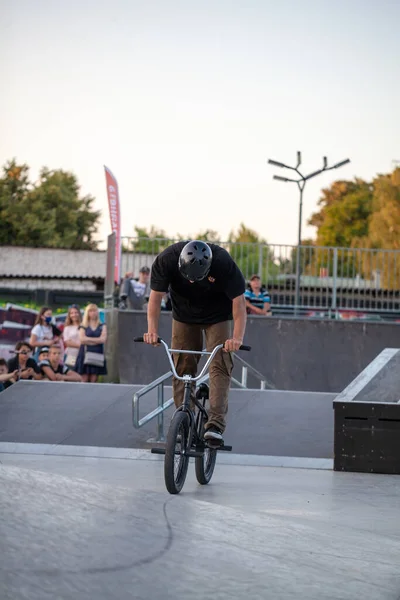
[(258, 301)]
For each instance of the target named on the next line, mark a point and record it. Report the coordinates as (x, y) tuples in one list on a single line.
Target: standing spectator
[(135, 292), (166, 303), (23, 364), (5, 376), (71, 335), (53, 370), (43, 333), (258, 301), (93, 336)]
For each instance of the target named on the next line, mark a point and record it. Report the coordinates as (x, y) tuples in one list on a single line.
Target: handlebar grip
[(247, 348), (140, 339)]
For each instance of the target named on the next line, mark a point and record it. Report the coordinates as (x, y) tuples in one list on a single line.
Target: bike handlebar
[(170, 351), (160, 340)]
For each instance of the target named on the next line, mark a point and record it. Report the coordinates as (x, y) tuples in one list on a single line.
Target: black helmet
[(195, 260)]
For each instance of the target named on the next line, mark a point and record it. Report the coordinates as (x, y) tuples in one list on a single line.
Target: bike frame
[(188, 381)]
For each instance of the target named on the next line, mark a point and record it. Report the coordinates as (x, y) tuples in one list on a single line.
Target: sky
[(186, 100)]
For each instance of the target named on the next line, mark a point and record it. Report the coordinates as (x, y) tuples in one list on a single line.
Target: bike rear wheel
[(176, 460), (205, 464)]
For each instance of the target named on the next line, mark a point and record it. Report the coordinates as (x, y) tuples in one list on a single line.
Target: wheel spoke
[(179, 445)]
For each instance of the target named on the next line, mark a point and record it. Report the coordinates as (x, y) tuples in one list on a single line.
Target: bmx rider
[(207, 292)]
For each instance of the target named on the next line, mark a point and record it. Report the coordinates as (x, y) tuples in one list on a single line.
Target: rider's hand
[(232, 345), (151, 338)]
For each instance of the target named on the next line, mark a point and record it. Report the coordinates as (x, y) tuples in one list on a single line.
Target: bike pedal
[(158, 451), (224, 448), (193, 454), (213, 445)]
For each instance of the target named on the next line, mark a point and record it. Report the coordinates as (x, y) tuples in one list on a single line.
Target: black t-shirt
[(207, 301), (13, 365), (62, 369)]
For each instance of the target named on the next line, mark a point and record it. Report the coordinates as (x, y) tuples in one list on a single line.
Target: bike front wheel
[(176, 460), (205, 464)]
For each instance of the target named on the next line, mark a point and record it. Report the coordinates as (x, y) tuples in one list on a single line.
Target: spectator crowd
[(77, 351)]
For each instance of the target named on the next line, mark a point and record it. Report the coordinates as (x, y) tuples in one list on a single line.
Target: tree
[(252, 253), (343, 218), (209, 235), (14, 186), (384, 231), (384, 224), (49, 213), (149, 241), (355, 215)]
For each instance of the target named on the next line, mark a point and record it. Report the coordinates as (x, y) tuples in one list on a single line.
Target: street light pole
[(301, 183), (297, 301)]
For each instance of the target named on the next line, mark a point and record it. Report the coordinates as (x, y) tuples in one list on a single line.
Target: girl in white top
[(71, 337), (42, 331)]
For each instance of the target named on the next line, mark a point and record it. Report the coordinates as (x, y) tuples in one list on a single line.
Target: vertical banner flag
[(115, 218)]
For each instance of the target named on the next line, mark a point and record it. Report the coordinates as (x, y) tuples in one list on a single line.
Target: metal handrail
[(162, 406), (137, 395), (246, 367)]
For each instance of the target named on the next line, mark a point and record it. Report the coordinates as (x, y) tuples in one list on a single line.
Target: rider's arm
[(239, 317), (153, 311)]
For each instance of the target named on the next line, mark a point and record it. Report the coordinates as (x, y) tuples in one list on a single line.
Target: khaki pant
[(187, 336)]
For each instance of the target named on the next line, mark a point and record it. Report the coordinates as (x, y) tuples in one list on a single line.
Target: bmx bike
[(185, 438)]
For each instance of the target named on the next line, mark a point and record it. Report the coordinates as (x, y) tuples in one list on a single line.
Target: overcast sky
[(186, 100)]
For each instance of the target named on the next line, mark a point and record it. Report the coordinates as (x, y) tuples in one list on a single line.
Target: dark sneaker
[(214, 435)]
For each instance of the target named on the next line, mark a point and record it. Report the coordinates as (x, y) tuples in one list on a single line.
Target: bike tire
[(205, 465), (175, 471)]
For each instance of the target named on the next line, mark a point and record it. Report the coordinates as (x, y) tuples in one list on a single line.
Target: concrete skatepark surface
[(84, 513), (84, 528)]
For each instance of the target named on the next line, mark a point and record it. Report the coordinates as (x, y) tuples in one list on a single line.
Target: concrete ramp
[(378, 382), (269, 423)]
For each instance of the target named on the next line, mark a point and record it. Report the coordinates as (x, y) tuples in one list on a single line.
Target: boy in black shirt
[(53, 370), (207, 291)]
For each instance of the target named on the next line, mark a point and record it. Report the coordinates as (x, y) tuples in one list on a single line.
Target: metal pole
[(297, 300), (334, 283), (260, 262), (244, 376), (301, 184), (160, 418)]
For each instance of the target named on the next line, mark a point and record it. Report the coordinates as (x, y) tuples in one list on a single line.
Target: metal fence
[(333, 281)]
